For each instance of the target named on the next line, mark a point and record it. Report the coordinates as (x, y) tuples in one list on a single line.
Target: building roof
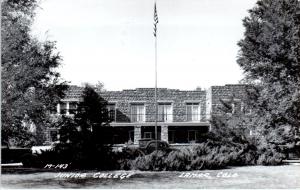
[(75, 92)]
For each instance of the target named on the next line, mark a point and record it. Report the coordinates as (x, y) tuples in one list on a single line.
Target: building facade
[(183, 116)]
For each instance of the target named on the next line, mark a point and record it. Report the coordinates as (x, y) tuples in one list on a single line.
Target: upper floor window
[(111, 108), (63, 108), (165, 112), (137, 112), (193, 111), (67, 108), (73, 107), (231, 105), (54, 109), (245, 108), (53, 135)]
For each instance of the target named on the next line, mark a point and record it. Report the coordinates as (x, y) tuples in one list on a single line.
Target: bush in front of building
[(179, 160), (270, 158), (77, 156), (207, 155), (151, 162), (123, 159), (270, 155), (215, 155)]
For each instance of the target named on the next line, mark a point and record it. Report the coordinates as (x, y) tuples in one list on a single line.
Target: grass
[(251, 177)]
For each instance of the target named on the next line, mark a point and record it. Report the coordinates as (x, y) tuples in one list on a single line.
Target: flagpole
[(156, 106)]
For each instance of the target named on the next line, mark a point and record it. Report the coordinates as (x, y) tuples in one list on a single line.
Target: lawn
[(250, 177)]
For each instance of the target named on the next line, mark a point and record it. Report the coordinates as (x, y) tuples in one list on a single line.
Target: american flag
[(155, 20)]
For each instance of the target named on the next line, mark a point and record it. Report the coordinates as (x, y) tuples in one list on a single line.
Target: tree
[(269, 56), (100, 86), (83, 140), (228, 122), (92, 112), (30, 83)]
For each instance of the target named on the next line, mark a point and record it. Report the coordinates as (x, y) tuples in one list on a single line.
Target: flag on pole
[(155, 20), (156, 107)]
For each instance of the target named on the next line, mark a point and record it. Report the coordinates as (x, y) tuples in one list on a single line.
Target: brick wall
[(236, 92), (209, 100), (178, 98)]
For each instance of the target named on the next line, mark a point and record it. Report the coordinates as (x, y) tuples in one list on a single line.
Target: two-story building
[(183, 116)]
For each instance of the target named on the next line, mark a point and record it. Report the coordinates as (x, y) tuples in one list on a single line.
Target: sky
[(112, 41)]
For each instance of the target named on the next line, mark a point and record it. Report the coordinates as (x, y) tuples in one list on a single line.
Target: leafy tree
[(92, 112), (269, 55), (30, 83), (84, 139), (100, 86), (229, 120), (233, 126)]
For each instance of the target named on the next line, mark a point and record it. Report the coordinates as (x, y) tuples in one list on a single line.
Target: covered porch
[(173, 132)]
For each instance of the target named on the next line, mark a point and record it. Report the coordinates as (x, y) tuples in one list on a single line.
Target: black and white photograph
[(150, 94)]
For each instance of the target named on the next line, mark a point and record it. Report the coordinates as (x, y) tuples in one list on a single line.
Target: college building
[(183, 116)]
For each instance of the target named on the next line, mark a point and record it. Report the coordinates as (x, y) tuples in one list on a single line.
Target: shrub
[(270, 157), (60, 154), (179, 160), (78, 156), (207, 155), (153, 161), (201, 149), (123, 160), (198, 163), (215, 159), (131, 153)]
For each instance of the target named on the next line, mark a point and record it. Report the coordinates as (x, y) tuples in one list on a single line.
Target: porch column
[(137, 134), (164, 133), (58, 109), (67, 108), (47, 135)]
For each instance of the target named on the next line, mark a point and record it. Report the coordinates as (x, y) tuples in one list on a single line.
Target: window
[(131, 136), (193, 112), (192, 136), (67, 108), (171, 136), (137, 112), (53, 135), (245, 108), (148, 135), (165, 112), (250, 132), (53, 109), (111, 108), (63, 108), (237, 106), (73, 107), (232, 106)]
